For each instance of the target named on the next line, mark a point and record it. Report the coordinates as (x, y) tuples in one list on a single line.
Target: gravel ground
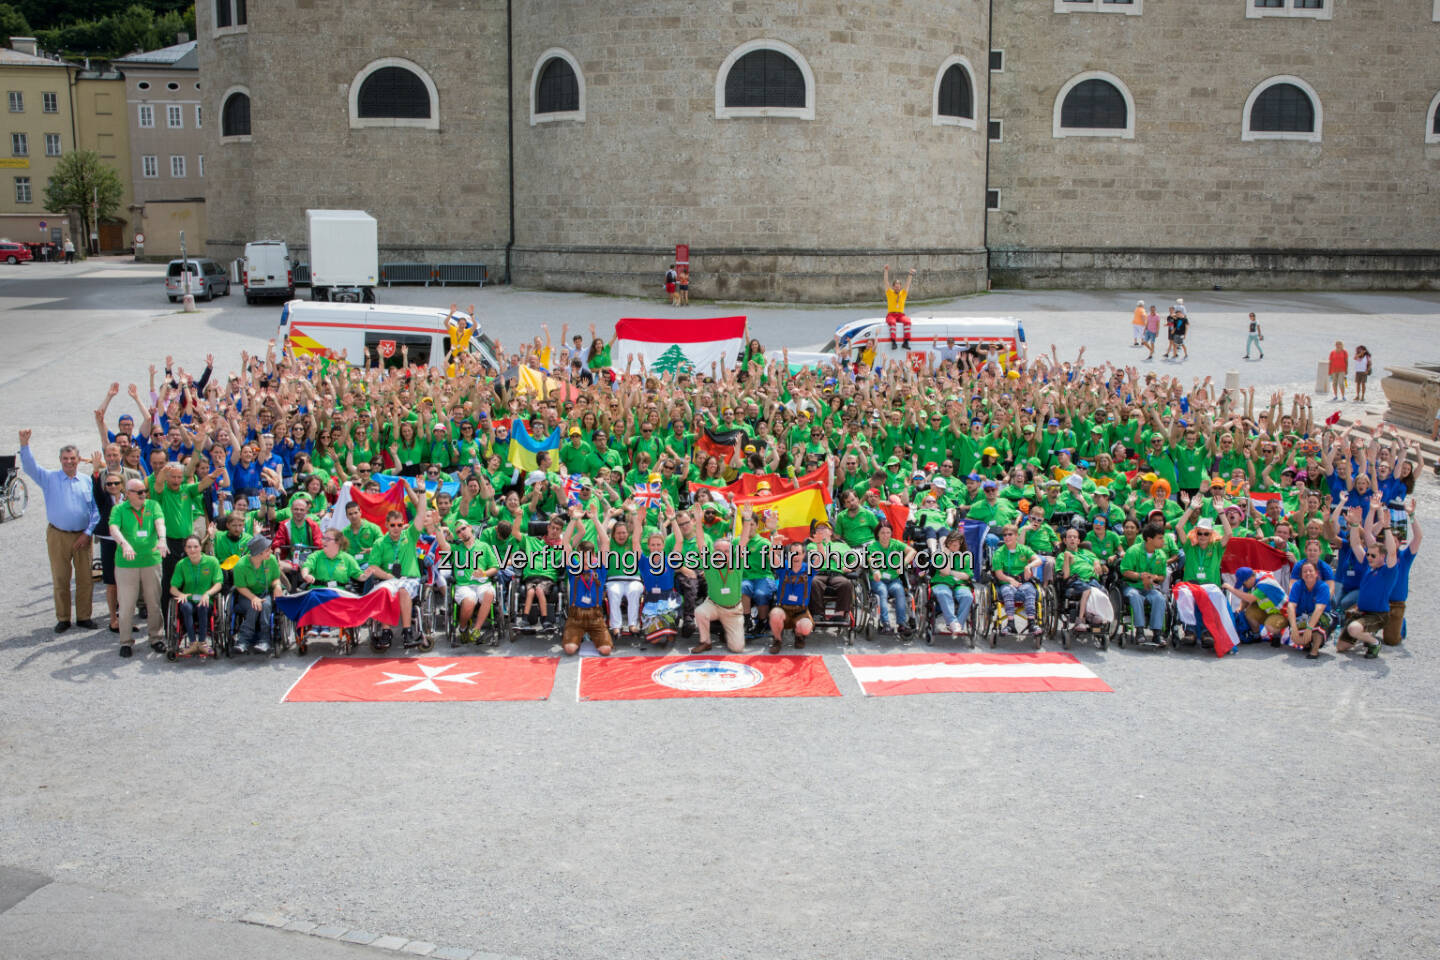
[(1260, 806)]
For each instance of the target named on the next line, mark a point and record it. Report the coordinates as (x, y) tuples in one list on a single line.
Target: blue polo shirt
[(1376, 585), (587, 591), (657, 583), (1305, 599), (1401, 592)]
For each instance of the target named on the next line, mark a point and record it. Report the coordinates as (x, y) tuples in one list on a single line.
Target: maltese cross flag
[(424, 679)]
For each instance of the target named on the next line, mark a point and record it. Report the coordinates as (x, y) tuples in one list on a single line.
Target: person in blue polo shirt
[(586, 615), (1309, 597), (1377, 581), (792, 599), (1395, 622)]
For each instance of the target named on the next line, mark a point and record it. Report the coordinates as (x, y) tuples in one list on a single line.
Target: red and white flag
[(663, 678), (1208, 602), (424, 679), (678, 346), (896, 674)]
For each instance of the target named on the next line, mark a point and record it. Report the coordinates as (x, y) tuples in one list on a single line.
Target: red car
[(12, 252)]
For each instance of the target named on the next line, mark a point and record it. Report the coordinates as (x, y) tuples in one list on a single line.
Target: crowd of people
[(1084, 473)]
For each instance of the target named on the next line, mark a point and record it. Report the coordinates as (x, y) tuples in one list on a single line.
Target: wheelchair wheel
[(1049, 615), (17, 497), (172, 630)]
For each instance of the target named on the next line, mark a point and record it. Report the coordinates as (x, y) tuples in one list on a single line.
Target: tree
[(82, 180), (13, 23), (673, 361)]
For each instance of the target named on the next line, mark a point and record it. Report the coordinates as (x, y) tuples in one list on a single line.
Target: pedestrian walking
[(69, 250), (1181, 327), (1254, 338), (1169, 334), (1363, 366), (1339, 366), (1137, 324), (1152, 331), (672, 281), (682, 280), (70, 516)]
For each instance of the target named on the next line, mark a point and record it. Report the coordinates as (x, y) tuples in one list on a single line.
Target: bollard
[(187, 303), (1232, 381), (1322, 377)]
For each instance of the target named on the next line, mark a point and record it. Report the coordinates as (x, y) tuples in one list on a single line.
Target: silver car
[(208, 279)]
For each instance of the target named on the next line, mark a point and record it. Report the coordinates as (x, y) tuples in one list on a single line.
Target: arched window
[(1432, 118), (394, 93), (235, 114), (954, 98), (765, 78), (557, 88), (1283, 108), (1094, 104)]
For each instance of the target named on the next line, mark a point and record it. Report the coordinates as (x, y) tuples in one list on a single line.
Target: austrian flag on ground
[(895, 674), (678, 346)]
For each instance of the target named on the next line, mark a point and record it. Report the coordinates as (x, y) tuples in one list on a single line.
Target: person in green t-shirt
[(474, 565), (257, 582), (950, 582), (1014, 566), (1080, 570), (855, 523), (1202, 556), (1142, 570), (394, 561), (723, 577), (330, 566), (138, 527), (888, 559), (233, 540), (360, 534), (196, 580)]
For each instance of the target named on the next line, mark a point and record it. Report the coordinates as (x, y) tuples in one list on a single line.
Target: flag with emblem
[(424, 679), (663, 678), (672, 348)]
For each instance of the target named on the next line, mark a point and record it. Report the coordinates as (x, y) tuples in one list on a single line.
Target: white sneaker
[(262, 647)]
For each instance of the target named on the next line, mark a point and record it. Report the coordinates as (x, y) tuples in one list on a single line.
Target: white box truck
[(266, 271), (344, 255)]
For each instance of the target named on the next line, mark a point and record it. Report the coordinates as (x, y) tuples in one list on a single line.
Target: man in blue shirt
[(71, 515), (1395, 622), (1377, 582), (792, 599)]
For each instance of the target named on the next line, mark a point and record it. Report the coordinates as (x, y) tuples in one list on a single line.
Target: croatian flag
[(672, 347), (1208, 602)]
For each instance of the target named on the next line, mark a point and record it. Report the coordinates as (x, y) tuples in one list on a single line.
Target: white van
[(266, 271), (364, 331), (931, 333)]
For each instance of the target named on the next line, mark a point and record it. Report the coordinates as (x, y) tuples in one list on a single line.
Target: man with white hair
[(71, 516)]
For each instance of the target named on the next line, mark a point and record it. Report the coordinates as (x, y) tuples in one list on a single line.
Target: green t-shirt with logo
[(387, 552), (258, 580), (339, 570), (141, 530), (193, 578)]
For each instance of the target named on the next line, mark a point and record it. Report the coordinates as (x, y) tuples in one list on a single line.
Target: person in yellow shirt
[(1137, 324), (895, 295)]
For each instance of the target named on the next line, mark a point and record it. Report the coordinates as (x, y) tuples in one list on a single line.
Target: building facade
[(167, 145), (797, 147), (37, 133), (101, 125)]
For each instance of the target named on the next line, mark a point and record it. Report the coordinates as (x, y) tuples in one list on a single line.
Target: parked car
[(208, 279), (12, 252)]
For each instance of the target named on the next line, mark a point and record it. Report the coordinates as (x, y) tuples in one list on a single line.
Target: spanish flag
[(796, 510)]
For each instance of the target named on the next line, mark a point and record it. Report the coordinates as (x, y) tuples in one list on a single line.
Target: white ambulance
[(364, 332)]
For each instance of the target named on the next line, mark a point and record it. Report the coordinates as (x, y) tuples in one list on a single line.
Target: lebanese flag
[(678, 346), (795, 510), (424, 679), (897, 674), (1255, 554), (373, 506), (1208, 601), (664, 678)]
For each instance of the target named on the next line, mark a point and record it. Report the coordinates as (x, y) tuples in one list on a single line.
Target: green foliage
[(107, 28), (13, 23), (80, 177)]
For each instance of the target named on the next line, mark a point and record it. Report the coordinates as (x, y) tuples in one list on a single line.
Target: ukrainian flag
[(523, 447)]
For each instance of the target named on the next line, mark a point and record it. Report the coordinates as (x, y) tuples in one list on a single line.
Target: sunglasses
[(112, 483), (138, 493), (396, 526)]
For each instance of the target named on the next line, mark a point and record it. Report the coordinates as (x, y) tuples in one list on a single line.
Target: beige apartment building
[(101, 124), (38, 131), (166, 148)]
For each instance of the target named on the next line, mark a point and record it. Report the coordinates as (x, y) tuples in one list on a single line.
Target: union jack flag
[(649, 494), (572, 487)]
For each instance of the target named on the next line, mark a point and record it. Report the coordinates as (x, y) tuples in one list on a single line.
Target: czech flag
[(669, 347), (796, 510), (330, 607), (523, 447)]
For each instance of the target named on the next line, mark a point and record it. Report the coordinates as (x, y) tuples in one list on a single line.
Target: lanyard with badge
[(140, 532)]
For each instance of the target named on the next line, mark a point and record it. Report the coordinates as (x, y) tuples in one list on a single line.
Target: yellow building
[(39, 129), (102, 124)]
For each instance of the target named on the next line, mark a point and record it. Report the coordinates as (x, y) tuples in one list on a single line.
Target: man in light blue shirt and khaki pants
[(72, 515)]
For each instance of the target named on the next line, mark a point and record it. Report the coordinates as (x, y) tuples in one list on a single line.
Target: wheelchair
[(14, 495), (214, 634), (445, 608), (1068, 624), (993, 619), (517, 625), (1129, 633), (914, 605), (279, 637), (857, 621)]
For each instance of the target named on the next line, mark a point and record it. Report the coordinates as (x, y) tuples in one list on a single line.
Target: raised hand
[(24, 438)]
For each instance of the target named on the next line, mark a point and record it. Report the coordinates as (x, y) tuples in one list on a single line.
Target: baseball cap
[(975, 477), (939, 483), (1243, 574), (763, 485), (1217, 482), (1075, 480), (893, 462), (656, 478), (575, 432), (1029, 428), (990, 485), (1053, 422), (534, 476)]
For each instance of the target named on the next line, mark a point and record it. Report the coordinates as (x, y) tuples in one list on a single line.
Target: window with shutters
[(765, 78)]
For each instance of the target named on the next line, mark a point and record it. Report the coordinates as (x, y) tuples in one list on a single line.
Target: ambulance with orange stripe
[(368, 333)]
